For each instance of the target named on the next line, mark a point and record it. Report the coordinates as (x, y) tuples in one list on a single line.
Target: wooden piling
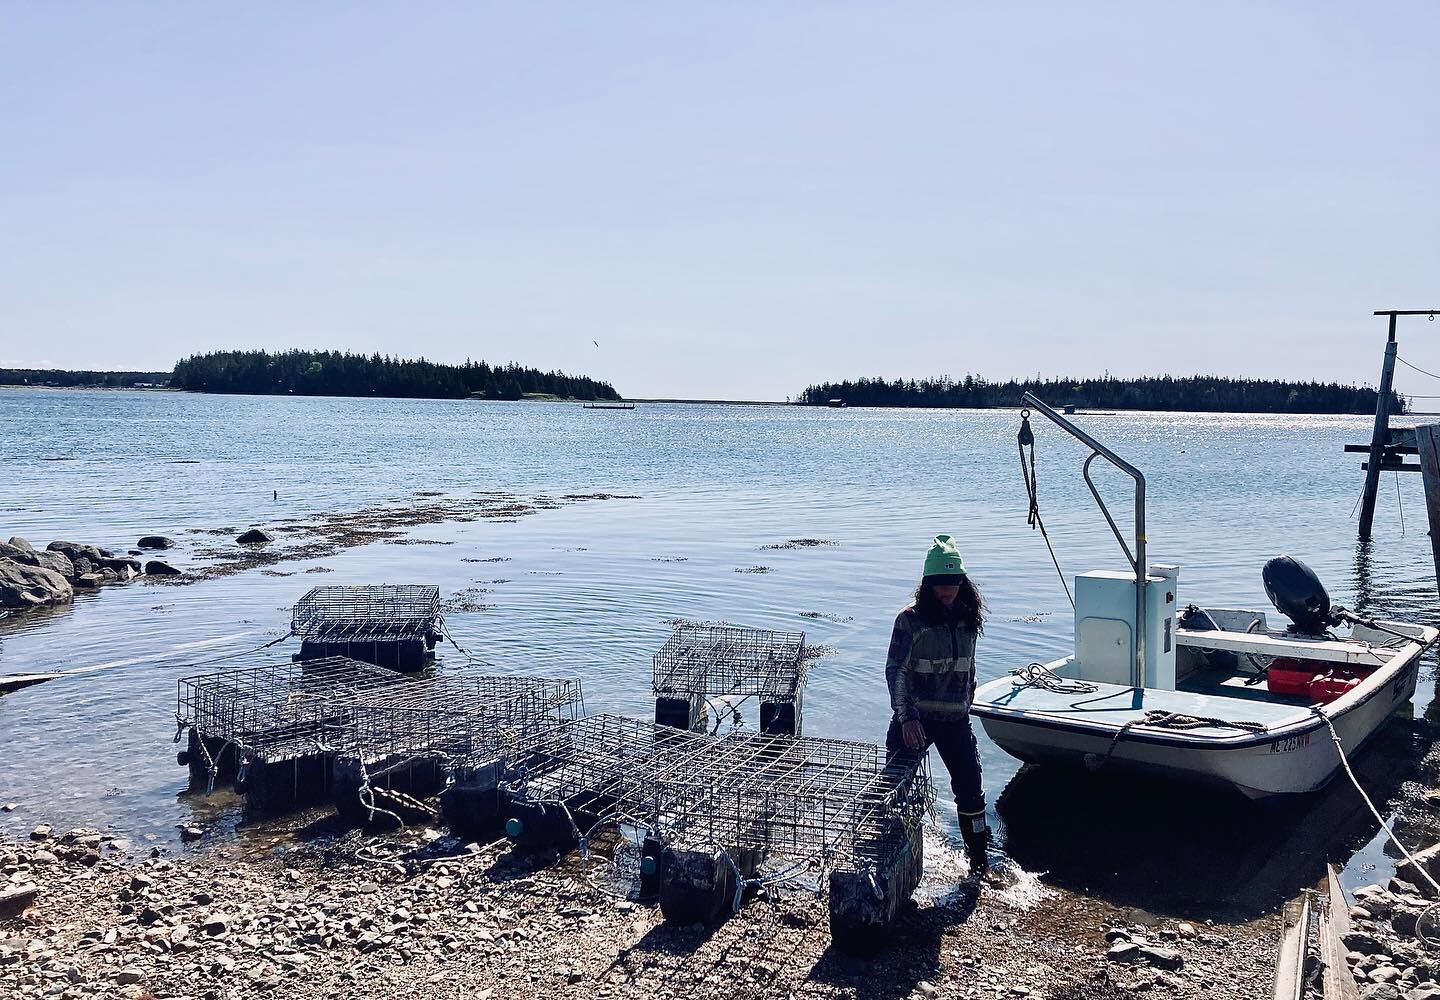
[(1427, 441), (1379, 437)]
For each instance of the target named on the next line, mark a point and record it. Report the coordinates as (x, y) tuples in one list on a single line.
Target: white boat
[(1210, 696)]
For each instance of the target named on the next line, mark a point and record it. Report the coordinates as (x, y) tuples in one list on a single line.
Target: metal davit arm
[(1135, 558)]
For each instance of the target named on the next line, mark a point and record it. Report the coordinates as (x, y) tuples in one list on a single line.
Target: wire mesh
[(348, 614), (836, 802), (279, 702), (712, 660), (786, 798), (466, 719)]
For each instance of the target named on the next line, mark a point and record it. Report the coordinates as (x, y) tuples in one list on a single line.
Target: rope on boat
[(1026, 437), (1040, 676), (1156, 719), (1429, 911)]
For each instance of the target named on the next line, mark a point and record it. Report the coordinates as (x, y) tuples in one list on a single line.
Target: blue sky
[(733, 199)]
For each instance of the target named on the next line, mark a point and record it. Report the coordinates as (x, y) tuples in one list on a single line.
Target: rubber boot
[(975, 831)]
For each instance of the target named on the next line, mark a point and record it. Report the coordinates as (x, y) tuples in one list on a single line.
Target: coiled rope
[(1040, 676), (1155, 718)]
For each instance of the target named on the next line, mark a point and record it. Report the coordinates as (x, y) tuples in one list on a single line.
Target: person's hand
[(914, 734)]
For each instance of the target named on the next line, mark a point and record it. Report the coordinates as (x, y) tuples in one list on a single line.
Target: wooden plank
[(1317, 649), (1290, 962), (1427, 439), (1392, 467), (1336, 981)]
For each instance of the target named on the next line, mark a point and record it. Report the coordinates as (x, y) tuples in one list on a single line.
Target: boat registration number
[(1289, 744)]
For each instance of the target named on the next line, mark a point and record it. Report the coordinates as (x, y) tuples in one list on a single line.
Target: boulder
[(24, 586), (17, 542), (89, 580), (57, 561), (124, 567), (75, 551), (158, 567), (255, 536), (1429, 862), (155, 542)]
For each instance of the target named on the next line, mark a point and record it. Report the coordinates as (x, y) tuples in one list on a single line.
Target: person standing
[(930, 671)]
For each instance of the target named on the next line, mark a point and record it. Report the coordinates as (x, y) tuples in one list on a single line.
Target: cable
[(1417, 368)]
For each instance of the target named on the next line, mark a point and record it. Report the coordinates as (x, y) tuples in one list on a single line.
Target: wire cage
[(277, 704), (711, 666), (458, 719), (609, 767), (367, 613), (822, 802)]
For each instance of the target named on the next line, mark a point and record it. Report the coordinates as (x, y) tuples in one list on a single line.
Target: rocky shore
[(422, 915), (1386, 950), (31, 577)]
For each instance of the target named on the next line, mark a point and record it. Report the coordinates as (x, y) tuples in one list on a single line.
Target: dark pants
[(956, 742)]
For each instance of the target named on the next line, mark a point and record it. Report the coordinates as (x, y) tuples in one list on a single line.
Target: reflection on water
[(586, 589)]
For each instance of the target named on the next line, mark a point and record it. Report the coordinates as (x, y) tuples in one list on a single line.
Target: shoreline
[(415, 914)]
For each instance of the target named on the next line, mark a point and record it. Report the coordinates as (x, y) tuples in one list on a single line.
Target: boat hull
[(1290, 760)]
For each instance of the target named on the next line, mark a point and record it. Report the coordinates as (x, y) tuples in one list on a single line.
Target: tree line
[(337, 373), (71, 380), (1204, 393)]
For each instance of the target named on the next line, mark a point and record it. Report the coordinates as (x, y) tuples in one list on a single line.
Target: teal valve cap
[(513, 827), (648, 865)]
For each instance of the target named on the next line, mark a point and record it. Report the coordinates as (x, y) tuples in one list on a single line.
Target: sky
[(725, 200)]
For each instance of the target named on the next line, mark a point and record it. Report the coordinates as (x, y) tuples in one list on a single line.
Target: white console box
[(1105, 627)]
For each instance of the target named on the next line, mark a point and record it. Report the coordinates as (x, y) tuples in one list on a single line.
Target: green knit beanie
[(943, 559)]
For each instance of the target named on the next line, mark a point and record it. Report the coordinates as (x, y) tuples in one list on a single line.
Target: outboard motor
[(1298, 594)]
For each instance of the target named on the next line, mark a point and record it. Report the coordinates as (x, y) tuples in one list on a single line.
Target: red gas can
[(1289, 676), (1328, 687)]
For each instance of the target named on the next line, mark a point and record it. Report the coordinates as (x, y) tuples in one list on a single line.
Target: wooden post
[(1427, 440), (1379, 437)]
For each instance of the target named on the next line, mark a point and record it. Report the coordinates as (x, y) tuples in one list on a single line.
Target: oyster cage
[(385, 613), (703, 664)]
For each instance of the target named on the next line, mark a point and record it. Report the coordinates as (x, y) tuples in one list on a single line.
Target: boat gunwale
[(1405, 658)]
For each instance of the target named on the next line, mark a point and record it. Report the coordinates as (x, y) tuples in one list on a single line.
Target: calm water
[(585, 589)]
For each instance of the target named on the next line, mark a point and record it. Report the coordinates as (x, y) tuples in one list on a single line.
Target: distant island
[(83, 380), (1201, 393), (337, 373)]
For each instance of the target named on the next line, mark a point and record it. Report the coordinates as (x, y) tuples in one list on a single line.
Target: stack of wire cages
[(393, 626), (267, 726), (443, 736), (595, 778), (708, 818), (760, 811), (720, 667)]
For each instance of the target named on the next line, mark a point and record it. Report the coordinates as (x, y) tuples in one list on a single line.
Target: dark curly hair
[(968, 611)]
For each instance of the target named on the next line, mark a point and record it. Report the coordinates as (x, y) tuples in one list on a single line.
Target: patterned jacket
[(930, 669)]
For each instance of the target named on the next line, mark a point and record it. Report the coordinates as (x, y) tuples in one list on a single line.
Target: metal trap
[(417, 739), (723, 665), (281, 711), (389, 625)]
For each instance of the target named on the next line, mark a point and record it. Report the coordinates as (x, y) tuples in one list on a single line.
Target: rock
[(1116, 934), (255, 536), (190, 832), (42, 832), (139, 882), (1425, 991), (124, 568), (14, 898), (1381, 991), (24, 586), (57, 561), (75, 551), (43, 858), (1161, 958), (216, 923), (1124, 951), (1429, 862), (925, 988), (1365, 944), (155, 542), (1384, 974), (129, 974), (89, 580), (158, 567), (1186, 929), (19, 543)]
